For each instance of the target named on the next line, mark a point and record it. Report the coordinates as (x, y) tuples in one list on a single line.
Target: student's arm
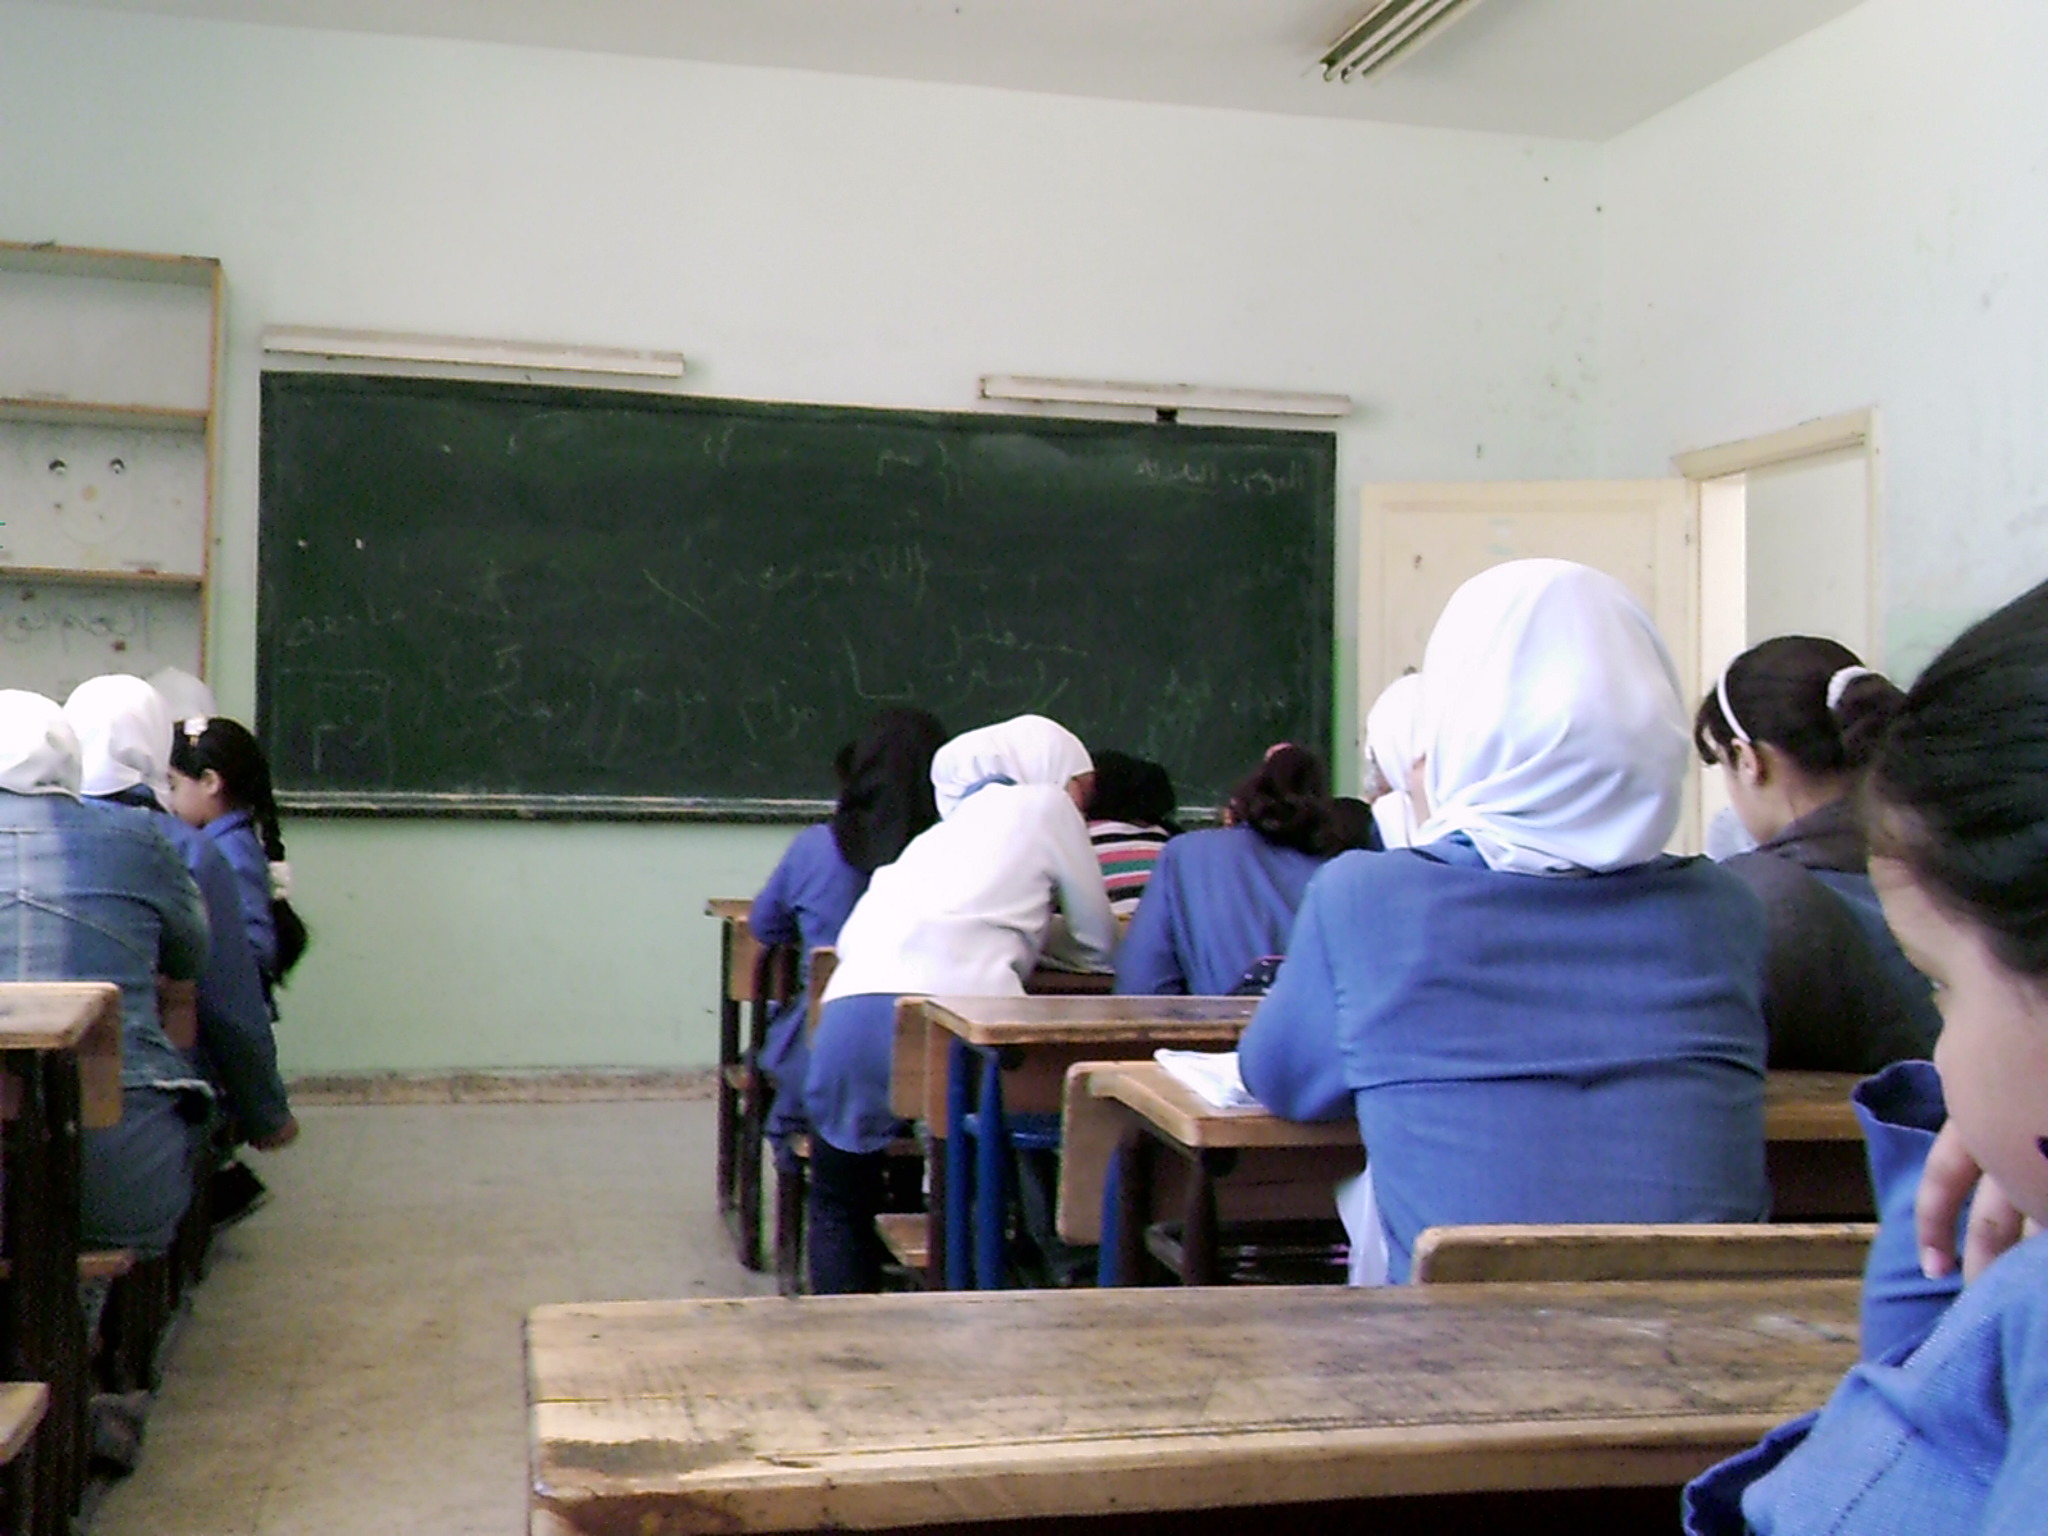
[(183, 937), (1289, 1056), (234, 1020), (2019, 1489), (772, 918), (1088, 937), (1146, 962)]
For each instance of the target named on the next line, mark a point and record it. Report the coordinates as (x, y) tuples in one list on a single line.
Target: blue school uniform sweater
[(1525, 1048), (1217, 901), (236, 837), (804, 903), (1948, 1434)]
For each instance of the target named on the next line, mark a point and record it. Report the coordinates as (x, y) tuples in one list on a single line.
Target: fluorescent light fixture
[(1391, 30), (1168, 399), (393, 347)]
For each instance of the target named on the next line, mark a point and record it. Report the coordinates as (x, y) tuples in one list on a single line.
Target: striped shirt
[(1127, 853)]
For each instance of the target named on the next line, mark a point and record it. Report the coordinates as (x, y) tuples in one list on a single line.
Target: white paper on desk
[(1211, 1074)]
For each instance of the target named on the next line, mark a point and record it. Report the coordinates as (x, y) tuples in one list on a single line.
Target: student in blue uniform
[(1007, 875), (1221, 900), (1536, 1015), (95, 893), (1792, 724), (1946, 1431), (885, 799), (124, 733), (220, 783)]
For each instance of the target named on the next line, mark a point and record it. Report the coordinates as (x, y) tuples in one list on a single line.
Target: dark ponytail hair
[(1287, 802), (885, 796), (1959, 793), (218, 745), (1778, 691)]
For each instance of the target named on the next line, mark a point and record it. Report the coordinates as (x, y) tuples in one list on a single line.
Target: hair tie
[(194, 727), (1839, 684), (1727, 709)]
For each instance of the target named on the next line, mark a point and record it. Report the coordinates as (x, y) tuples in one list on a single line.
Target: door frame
[(1856, 431)]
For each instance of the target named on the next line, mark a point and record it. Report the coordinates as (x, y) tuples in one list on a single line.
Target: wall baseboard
[(531, 1087)]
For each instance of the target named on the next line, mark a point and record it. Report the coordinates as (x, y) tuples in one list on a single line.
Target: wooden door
[(1418, 543)]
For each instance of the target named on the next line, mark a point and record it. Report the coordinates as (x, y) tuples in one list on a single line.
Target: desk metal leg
[(959, 1171), (991, 1178)]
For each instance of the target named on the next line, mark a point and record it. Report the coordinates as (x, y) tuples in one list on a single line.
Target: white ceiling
[(1583, 69)]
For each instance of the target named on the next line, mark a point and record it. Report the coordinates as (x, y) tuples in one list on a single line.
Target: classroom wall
[(799, 237), (1859, 218)]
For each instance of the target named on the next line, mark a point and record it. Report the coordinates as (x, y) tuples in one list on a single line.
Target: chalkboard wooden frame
[(477, 575)]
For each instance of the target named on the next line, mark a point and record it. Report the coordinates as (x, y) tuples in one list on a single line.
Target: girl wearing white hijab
[(969, 907), (92, 893), (124, 731), (1393, 747), (1535, 1014)]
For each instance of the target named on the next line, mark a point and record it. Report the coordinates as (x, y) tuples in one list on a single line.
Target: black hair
[(886, 795), (1287, 802), (1779, 692), (1132, 789), (1959, 793), (226, 747), (1353, 822)]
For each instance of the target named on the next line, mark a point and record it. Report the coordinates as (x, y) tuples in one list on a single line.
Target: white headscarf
[(1027, 750), (1393, 739), (124, 728), (38, 749), (1556, 735)]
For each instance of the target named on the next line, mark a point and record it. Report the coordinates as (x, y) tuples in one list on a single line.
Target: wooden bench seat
[(1703, 1251), (907, 1236)]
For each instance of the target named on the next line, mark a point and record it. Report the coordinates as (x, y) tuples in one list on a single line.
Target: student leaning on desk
[(967, 909)]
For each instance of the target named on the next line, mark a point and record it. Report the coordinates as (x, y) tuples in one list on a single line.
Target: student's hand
[(1947, 1183), (283, 1136)]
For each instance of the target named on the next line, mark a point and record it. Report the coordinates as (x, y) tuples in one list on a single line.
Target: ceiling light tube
[(1390, 30), (1167, 399), (392, 347)]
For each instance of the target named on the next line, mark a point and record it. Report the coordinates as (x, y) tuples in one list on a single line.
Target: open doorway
[(1791, 542)]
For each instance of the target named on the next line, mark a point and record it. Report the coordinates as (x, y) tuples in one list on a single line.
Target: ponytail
[(1808, 697)]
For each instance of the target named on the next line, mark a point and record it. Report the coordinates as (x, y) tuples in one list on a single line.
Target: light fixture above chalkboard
[(1167, 399), (472, 352)]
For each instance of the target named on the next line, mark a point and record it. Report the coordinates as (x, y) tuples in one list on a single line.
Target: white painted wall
[(1807, 550), (800, 237), (1860, 218)]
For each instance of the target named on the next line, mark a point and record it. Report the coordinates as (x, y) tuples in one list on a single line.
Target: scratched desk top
[(873, 1412)]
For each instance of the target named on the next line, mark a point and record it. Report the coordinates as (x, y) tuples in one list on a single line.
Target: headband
[(1727, 709), (1839, 684)]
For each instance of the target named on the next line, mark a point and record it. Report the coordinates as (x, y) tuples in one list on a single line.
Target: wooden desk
[(1023, 1047), (901, 1412), (1130, 1110), (1813, 1148), (1120, 1116), (60, 1072)]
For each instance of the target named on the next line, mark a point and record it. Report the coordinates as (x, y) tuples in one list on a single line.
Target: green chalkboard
[(483, 596)]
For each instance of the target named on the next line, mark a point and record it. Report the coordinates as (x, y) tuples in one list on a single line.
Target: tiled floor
[(352, 1363)]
